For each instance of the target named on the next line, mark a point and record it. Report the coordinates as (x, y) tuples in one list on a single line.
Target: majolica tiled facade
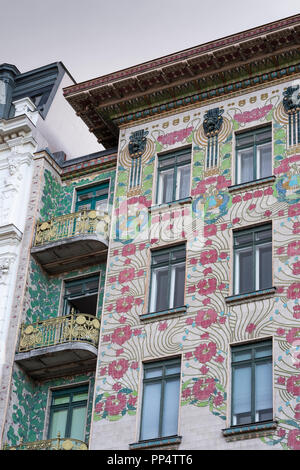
[(211, 317)]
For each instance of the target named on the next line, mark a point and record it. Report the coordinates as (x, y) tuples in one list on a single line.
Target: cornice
[(198, 74)]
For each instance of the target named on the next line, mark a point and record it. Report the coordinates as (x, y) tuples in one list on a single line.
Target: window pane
[(170, 408), (177, 286), (173, 369), (151, 411), (245, 165), (158, 257), (244, 271), (165, 187), (183, 182), (263, 235), (241, 406), (243, 239), (263, 351), (263, 391), (244, 139), (101, 205), (58, 423), (78, 423), (61, 400), (264, 266), (153, 373), (241, 356), (80, 396), (264, 160), (178, 254), (159, 289), (184, 158), (163, 162), (265, 135)]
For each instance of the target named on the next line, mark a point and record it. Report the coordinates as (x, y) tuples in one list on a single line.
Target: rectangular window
[(174, 176), (253, 259), (254, 154), (68, 413), (167, 278), (92, 198), (252, 383), (161, 390), (81, 296)]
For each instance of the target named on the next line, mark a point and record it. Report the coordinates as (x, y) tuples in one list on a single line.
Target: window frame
[(91, 189), (68, 391), (168, 156), (253, 132), (253, 230), (162, 379), (161, 251), (253, 346), (78, 281)]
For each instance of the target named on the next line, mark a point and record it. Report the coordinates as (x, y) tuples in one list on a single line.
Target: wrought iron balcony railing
[(50, 444), (55, 331), (72, 225)]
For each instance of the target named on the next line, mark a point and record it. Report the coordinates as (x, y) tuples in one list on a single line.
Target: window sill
[(249, 431), (250, 296), (164, 313), (159, 442), (251, 184), (172, 204)]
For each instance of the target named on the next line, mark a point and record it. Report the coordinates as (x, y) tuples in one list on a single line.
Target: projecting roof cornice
[(195, 75)]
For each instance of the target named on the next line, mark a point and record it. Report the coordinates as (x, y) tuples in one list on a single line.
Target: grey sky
[(96, 37)]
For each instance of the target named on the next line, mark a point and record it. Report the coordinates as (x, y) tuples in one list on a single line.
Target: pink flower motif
[(103, 371), (208, 243), (280, 213), (112, 279), (268, 191), (121, 335), (296, 228), (122, 319), (281, 432), (186, 393), (251, 327), (297, 411), (132, 400), (222, 320), (206, 301), (205, 318), (205, 352), (142, 246), (99, 407), (124, 304), (294, 439), (296, 309), (162, 326), (115, 404), (134, 365), (126, 275), (281, 380), (236, 220), (210, 230), (209, 256), (116, 387), (204, 370), (207, 271), (137, 332), (294, 210), (124, 289), (280, 250), (293, 385), (280, 331), (140, 273), (109, 308), (293, 291), (203, 388), (193, 261), (220, 359), (293, 335), (117, 369), (188, 355), (223, 255), (106, 339), (218, 399), (204, 335), (189, 321), (127, 261), (236, 199), (191, 289), (268, 213), (119, 352), (223, 227), (207, 286), (252, 207), (293, 248), (258, 193), (247, 196)]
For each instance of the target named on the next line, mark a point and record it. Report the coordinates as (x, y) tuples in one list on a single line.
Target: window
[(161, 389), (92, 198), (251, 383), (68, 413), (81, 296), (253, 259), (174, 176), (254, 154), (167, 278)]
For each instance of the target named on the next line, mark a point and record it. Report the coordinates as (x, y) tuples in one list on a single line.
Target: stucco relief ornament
[(15, 175), (212, 124), (4, 269), (291, 105), (136, 147)]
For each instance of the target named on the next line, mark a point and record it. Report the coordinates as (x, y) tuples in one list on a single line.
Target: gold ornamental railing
[(54, 331), (50, 444), (71, 225)]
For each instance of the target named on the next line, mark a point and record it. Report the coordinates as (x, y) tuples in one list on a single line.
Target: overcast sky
[(96, 37)]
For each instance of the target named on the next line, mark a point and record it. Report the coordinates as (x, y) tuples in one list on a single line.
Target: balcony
[(59, 346), (50, 444), (71, 241)]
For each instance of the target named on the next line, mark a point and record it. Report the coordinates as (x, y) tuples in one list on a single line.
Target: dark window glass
[(174, 176)]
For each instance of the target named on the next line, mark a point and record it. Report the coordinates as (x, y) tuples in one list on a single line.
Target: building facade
[(184, 245)]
